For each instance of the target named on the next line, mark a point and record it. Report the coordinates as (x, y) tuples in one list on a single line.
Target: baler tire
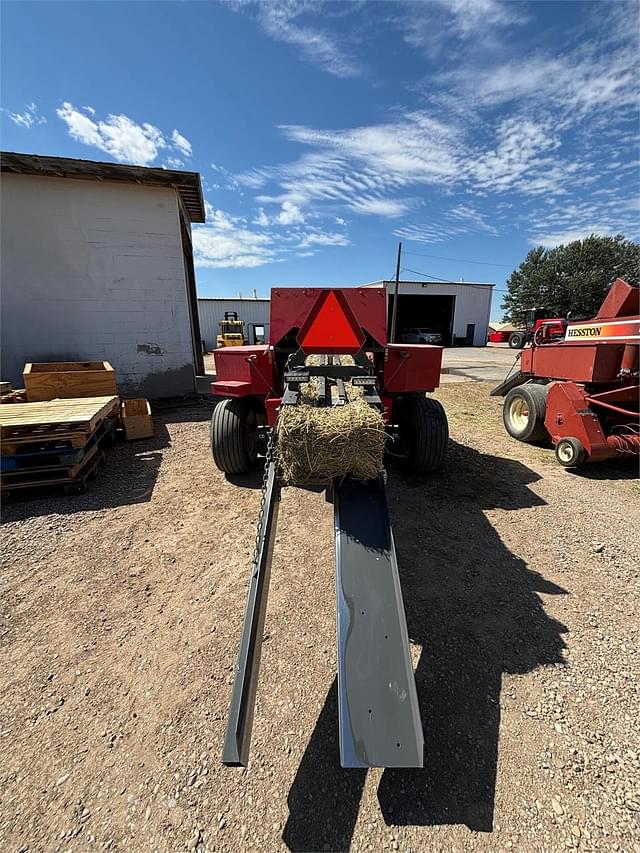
[(532, 399), (570, 452), (516, 340), (426, 434), (231, 446)]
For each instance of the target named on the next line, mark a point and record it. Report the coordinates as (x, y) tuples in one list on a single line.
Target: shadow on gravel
[(617, 469), (473, 607), (128, 475)]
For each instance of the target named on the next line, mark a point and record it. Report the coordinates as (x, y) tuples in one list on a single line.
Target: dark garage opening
[(433, 312)]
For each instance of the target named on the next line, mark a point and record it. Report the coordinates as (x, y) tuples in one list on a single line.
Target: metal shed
[(254, 312)]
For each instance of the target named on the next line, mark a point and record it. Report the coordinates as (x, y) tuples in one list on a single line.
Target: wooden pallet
[(72, 485), (47, 474), (47, 455), (72, 421)]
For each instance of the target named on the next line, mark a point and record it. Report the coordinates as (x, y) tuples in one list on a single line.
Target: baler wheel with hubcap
[(524, 412), (570, 452)]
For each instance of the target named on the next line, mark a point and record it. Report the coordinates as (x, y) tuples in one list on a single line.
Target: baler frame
[(583, 392), (379, 718)]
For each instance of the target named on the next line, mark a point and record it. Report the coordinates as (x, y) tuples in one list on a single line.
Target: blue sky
[(326, 132)]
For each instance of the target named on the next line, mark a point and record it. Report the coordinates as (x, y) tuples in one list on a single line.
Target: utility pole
[(394, 313)]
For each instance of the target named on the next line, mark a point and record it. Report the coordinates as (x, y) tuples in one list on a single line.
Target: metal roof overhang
[(186, 184)]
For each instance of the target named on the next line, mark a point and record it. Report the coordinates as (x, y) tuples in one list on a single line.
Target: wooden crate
[(66, 379), (136, 419)]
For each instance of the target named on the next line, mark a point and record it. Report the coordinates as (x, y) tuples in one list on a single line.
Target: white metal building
[(460, 311), (97, 264), (254, 312)]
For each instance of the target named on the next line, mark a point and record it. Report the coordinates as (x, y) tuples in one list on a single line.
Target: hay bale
[(317, 444)]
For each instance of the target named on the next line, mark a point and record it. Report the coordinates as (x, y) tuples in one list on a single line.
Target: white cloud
[(363, 168), (474, 15), (181, 143), (261, 218), (226, 242), (28, 117), (581, 81), (473, 218), (462, 219), (571, 234), (118, 135), (387, 207), (340, 221), (174, 163), (431, 26), (281, 19), (321, 238), (290, 214)]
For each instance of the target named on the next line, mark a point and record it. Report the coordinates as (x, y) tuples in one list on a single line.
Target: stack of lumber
[(56, 442)]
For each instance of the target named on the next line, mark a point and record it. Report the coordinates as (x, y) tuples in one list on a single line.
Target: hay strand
[(317, 444)]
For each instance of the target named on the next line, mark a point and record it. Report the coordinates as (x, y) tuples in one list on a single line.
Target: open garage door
[(431, 311)]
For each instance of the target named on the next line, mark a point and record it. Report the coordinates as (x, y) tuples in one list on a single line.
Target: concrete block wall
[(94, 271)]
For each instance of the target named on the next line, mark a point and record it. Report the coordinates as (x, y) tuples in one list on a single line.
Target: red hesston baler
[(379, 719), (583, 391)]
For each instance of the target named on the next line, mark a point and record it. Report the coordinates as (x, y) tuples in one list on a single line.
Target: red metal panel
[(331, 326), (623, 300), (251, 365), (290, 307), (272, 404), (568, 415), (576, 362), (230, 388), (411, 367)]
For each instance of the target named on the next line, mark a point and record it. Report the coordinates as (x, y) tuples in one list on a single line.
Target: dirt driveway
[(121, 612)]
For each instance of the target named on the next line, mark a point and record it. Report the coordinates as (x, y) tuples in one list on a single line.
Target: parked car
[(421, 335)]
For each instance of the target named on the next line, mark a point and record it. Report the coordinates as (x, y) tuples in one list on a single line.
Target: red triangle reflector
[(331, 326)]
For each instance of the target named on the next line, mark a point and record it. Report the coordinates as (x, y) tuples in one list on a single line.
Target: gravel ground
[(121, 612)]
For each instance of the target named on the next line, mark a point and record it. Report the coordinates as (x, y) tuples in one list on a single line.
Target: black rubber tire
[(532, 399), (233, 435), (424, 432), (516, 340), (570, 452)]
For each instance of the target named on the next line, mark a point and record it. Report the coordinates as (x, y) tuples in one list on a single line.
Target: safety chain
[(271, 456)]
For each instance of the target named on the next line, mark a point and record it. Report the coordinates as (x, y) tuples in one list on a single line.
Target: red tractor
[(379, 719), (582, 392), (535, 320)]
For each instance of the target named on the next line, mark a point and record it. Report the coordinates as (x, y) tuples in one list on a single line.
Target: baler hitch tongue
[(379, 717)]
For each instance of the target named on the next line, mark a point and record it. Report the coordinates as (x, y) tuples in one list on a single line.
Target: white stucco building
[(97, 264)]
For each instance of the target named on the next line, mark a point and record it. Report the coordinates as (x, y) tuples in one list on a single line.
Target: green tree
[(571, 278)]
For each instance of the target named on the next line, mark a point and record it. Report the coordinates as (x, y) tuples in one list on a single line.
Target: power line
[(459, 260), (437, 280)]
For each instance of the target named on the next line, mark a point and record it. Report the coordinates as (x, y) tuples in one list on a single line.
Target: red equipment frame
[(594, 394), (331, 321)]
